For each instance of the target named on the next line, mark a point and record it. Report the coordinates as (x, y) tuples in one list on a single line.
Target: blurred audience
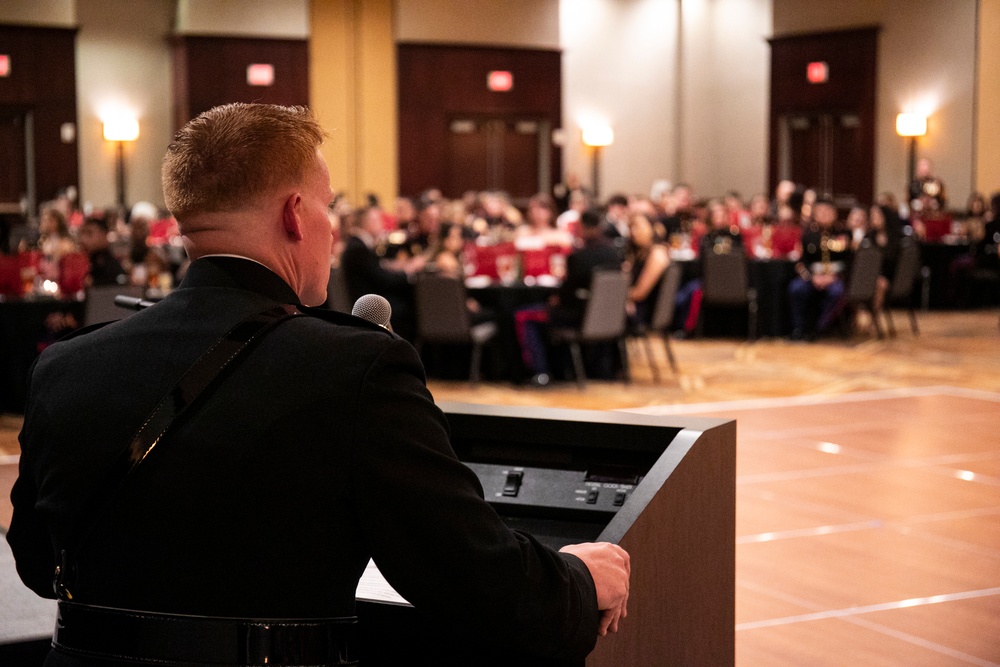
[(105, 269)]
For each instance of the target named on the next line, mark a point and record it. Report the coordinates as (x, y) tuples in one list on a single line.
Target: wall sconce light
[(597, 137), (121, 129), (911, 125)]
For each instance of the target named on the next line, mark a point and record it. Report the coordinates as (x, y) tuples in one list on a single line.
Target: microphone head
[(373, 308)]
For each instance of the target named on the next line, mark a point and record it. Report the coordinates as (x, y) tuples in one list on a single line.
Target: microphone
[(132, 302), (373, 308)]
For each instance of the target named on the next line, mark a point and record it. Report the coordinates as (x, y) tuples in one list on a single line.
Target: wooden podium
[(678, 523)]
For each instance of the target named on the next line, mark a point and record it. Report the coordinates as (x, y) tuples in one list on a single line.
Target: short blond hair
[(229, 157)]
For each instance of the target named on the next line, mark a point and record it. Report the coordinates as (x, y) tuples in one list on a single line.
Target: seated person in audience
[(805, 201), (782, 192), (738, 215), (365, 272), (428, 224), (105, 269), (562, 191), (141, 217), (857, 226), (786, 234), (974, 217), (926, 191), (825, 253), (446, 258), (497, 219), (569, 220), (154, 273), (457, 213), (54, 239), (679, 210), (721, 238), (616, 217), (446, 253), (540, 224), (886, 231), (405, 214), (566, 308), (982, 257), (757, 235), (647, 261)]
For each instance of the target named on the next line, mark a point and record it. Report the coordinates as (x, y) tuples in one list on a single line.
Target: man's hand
[(609, 567)]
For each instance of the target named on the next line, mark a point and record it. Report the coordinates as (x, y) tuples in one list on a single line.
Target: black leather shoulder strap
[(199, 377)]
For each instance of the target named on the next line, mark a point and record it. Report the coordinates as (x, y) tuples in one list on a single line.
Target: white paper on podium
[(374, 588)]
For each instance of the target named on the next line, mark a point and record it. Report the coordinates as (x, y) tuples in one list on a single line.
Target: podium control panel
[(561, 491)]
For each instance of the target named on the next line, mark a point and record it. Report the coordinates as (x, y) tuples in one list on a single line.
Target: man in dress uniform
[(318, 448)]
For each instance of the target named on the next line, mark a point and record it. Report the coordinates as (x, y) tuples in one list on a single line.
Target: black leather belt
[(168, 639)]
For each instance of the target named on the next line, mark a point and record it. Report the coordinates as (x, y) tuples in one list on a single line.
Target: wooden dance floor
[(868, 488), (867, 528)]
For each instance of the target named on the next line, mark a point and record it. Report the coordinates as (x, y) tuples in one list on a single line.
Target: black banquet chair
[(603, 320), (904, 280), (862, 284), (725, 283), (443, 317), (663, 317), (99, 305)]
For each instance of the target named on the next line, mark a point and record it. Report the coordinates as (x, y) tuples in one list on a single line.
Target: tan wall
[(524, 23), (988, 117), (725, 98), (53, 13), (123, 62), (708, 126), (618, 70), (287, 19), (926, 65), (352, 83)]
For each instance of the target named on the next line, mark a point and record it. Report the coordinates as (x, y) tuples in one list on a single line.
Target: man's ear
[(290, 216)]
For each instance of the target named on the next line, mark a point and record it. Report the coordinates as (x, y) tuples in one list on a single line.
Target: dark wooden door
[(494, 154), (824, 153), (13, 160), (823, 132)]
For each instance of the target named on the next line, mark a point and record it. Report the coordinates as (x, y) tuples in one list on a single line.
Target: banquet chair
[(663, 316), (725, 283), (73, 270), (100, 302), (862, 283), (443, 317), (337, 296), (11, 283), (903, 283), (603, 320)]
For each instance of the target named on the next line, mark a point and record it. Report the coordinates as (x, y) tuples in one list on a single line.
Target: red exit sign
[(817, 72), (500, 81)]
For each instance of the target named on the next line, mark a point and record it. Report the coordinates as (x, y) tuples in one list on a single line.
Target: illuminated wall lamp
[(120, 130), (911, 125), (597, 137)]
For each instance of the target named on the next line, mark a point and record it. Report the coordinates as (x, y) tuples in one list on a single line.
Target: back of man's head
[(229, 157), (591, 221), (618, 200)]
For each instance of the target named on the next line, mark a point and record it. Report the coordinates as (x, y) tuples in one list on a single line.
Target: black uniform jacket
[(322, 448), (596, 254)]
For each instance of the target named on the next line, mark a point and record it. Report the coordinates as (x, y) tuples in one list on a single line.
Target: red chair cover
[(486, 258), (11, 283), (537, 262), (784, 238), (936, 228), (73, 270)]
